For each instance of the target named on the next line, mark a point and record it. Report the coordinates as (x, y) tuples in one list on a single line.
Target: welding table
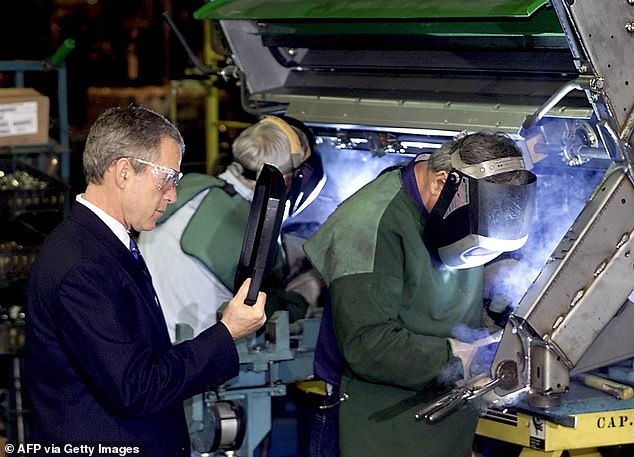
[(586, 420)]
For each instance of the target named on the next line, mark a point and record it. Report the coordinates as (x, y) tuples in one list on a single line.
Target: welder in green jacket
[(194, 251), (402, 260)]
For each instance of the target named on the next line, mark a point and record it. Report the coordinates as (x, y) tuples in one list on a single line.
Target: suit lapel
[(82, 215)]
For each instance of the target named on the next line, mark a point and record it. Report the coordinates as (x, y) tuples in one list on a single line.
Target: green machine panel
[(463, 64), (367, 9)]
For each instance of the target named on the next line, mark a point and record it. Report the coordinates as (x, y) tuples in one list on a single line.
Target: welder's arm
[(388, 323), (374, 342)]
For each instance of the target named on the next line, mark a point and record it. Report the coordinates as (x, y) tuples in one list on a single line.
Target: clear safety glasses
[(165, 178)]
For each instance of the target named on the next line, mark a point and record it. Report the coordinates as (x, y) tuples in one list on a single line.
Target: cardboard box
[(24, 116)]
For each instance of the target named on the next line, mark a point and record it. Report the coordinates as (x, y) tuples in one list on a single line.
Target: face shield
[(308, 177), (306, 183), (479, 213)]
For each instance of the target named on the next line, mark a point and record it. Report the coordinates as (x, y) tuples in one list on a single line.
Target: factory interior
[(377, 83)]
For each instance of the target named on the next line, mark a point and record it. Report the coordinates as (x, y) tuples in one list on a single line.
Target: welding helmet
[(300, 163), (480, 214), (308, 178)]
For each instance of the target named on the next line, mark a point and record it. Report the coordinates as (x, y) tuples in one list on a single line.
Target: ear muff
[(296, 124), (298, 155)]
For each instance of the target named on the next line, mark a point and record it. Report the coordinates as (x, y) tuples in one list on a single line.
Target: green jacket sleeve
[(374, 314)]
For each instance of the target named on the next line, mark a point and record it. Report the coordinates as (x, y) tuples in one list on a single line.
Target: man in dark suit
[(100, 367)]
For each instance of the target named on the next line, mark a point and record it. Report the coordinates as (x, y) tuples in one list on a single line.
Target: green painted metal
[(367, 9), (60, 54), (543, 23)]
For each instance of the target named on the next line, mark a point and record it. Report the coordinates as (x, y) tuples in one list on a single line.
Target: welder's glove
[(501, 281), (476, 356), (496, 312), (309, 285)]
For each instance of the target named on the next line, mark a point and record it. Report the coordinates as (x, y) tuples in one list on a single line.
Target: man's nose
[(170, 195)]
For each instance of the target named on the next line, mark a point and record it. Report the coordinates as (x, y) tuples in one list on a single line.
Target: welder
[(194, 251), (403, 263)]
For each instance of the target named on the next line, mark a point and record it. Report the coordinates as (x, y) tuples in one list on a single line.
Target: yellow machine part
[(542, 438)]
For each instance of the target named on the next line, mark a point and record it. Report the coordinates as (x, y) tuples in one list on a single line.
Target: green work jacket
[(392, 313), (215, 233)]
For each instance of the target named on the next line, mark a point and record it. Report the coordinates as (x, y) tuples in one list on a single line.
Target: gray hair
[(131, 131), (476, 148), (265, 142)]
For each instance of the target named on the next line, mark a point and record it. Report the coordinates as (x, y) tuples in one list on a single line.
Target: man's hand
[(476, 357), (241, 319)]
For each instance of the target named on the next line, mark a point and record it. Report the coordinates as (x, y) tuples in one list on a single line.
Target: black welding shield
[(259, 245), (479, 213)]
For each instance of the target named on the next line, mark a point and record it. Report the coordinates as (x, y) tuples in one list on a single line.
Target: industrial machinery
[(281, 355), (381, 81), (574, 317)]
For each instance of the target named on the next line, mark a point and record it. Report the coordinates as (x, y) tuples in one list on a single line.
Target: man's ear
[(121, 171), (438, 181)]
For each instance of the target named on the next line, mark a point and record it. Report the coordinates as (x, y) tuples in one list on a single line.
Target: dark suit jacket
[(99, 364)]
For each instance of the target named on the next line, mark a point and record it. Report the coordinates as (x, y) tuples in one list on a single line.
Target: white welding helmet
[(476, 218)]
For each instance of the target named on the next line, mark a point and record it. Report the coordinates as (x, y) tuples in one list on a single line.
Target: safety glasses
[(165, 178)]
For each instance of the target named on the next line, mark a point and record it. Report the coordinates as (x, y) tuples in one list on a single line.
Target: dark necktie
[(134, 249)]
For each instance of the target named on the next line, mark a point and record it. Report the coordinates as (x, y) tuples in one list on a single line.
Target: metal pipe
[(60, 54), (212, 102), (581, 83)]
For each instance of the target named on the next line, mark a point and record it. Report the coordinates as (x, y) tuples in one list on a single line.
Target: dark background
[(124, 52)]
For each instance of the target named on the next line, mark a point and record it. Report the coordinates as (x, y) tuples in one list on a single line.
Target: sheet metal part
[(558, 319), (588, 279), (600, 36)]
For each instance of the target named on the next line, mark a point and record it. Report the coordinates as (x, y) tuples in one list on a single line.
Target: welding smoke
[(561, 195), (347, 170)]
